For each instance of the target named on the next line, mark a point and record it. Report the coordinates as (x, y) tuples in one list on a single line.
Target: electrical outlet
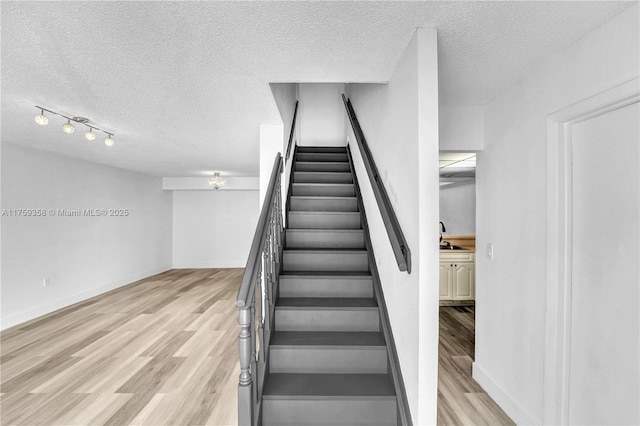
[(45, 282), (490, 251)]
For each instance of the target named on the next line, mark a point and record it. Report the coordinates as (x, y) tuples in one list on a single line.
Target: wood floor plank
[(461, 400), (113, 376), (39, 409), (96, 409), (158, 351)]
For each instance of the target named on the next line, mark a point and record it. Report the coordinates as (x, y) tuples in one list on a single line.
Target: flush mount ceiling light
[(216, 181), (69, 128)]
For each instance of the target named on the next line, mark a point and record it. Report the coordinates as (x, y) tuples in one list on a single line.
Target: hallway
[(461, 401)]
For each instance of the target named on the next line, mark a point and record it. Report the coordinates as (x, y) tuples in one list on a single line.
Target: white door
[(604, 356)]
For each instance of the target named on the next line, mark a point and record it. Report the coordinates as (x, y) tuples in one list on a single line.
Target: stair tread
[(321, 197), (303, 148), (322, 184), (303, 386), (324, 230), (305, 162), (326, 302), (304, 172), (326, 250), (327, 338), (326, 274), (322, 153), (321, 212), (326, 155)]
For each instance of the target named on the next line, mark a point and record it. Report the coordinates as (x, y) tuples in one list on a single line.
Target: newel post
[(245, 384)]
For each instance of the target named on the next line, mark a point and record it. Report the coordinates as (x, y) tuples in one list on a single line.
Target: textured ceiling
[(184, 85)]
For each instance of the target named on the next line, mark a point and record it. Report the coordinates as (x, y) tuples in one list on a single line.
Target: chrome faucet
[(442, 229)]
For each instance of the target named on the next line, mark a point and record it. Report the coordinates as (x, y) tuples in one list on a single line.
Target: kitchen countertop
[(463, 250)]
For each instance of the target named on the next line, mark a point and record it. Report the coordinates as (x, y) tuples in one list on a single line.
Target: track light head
[(68, 128), (42, 119), (90, 135)]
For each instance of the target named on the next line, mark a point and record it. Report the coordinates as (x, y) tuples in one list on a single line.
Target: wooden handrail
[(396, 237), (293, 127)]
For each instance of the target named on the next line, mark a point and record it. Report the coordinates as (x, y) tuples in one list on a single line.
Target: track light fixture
[(69, 128)]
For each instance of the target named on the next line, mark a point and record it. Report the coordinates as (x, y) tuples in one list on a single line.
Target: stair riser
[(370, 360), (297, 238), (327, 319), (288, 412), (319, 190), (323, 204), (323, 166), (324, 177), (324, 220), (318, 261), (325, 287), (320, 156)]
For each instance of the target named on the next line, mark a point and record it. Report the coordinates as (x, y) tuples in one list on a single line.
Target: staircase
[(328, 362)]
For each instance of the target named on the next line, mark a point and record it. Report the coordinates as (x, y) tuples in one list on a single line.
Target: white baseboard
[(514, 410), (207, 265), (29, 314)]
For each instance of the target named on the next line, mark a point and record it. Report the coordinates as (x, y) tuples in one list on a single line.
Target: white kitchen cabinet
[(457, 276), (446, 281)]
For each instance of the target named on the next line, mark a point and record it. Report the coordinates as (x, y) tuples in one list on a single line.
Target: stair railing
[(256, 300), (396, 237), (286, 158), (293, 128)]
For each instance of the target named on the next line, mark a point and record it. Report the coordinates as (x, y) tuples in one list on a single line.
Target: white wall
[(80, 256), (1, 207), (322, 115), (400, 122), (270, 145), (461, 127), (511, 210), (213, 229), (458, 208), (285, 96)]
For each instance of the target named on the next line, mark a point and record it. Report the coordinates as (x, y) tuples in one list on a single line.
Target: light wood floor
[(162, 351), (461, 401)]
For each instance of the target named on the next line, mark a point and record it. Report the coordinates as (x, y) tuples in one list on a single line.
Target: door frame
[(559, 241)]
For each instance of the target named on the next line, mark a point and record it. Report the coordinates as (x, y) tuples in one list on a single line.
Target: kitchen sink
[(451, 247)]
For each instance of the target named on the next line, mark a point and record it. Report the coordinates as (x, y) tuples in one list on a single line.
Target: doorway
[(461, 400), (457, 228)]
